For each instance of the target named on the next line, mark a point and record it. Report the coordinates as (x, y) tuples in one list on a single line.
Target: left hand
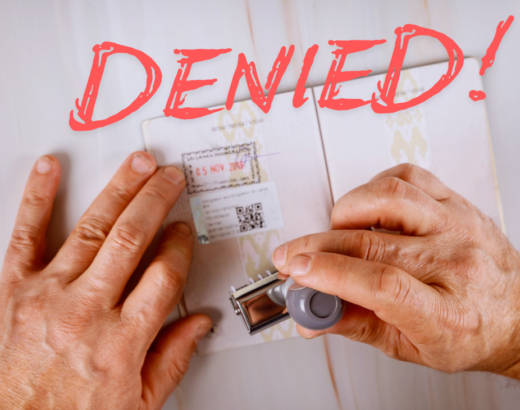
[(69, 336)]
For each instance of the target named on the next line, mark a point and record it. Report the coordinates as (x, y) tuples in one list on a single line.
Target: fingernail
[(299, 265), (43, 165), (279, 256), (141, 164), (174, 174), (202, 330), (182, 229)]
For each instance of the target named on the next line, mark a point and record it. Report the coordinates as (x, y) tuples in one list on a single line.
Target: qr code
[(250, 217)]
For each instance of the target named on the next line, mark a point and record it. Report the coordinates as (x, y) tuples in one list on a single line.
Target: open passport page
[(256, 180)]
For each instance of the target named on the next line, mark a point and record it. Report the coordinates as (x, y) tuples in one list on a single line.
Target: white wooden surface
[(46, 54)]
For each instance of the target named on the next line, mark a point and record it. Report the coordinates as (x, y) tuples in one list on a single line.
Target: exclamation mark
[(489, 58)]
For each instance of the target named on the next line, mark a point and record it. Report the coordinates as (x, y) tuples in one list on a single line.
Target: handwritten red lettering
[(253, 83), (86, 108), (299, 93), (181, 84), (489, 58), (404, 34), (336, 76)]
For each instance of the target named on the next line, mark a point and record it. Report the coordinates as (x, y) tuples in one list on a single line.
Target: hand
[(445, 293), (68, 337)]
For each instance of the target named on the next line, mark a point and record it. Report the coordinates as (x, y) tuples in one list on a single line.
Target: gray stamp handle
[(308, 307)]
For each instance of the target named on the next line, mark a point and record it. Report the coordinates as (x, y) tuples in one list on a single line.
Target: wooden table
[(46, 55)]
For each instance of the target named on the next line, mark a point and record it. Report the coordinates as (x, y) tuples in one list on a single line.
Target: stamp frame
[(225, 150)]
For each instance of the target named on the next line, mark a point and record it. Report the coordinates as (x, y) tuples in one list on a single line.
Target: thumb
[(169, 357), (395, 296)]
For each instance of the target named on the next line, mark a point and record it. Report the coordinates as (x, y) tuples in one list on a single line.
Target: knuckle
[(178, 368), (391, 187), (445, 318), (308, 242), (340, 211), (91, 297), (93, 230), (135, 321), (168, 279), (391, 350), (392, 287), (466, 206), (25, 237), (371, 246), (336, 211), (37, 199), (27, 312), (395, 345), (487, 226), (121, 193), (465, 325), (127, 239), (156, 193), (132, 321), (334, 281), (472, 265), (180, 250), (363, 333), (408, 172)]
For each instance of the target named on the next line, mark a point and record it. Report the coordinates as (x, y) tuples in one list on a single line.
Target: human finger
[(364, 326), (91, 231), (27, 243), (395, 296), (162, 284), (130, 236), (396, 250), (358, 324), (389, 203), (418, 177), (169, 357)]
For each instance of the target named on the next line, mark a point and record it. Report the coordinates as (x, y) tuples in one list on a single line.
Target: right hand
[(445, 293)]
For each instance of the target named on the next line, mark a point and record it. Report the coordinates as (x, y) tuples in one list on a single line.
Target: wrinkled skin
[(444, 293), (70, 336)]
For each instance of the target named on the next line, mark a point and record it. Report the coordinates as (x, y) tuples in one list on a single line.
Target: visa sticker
[(236, 212)]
